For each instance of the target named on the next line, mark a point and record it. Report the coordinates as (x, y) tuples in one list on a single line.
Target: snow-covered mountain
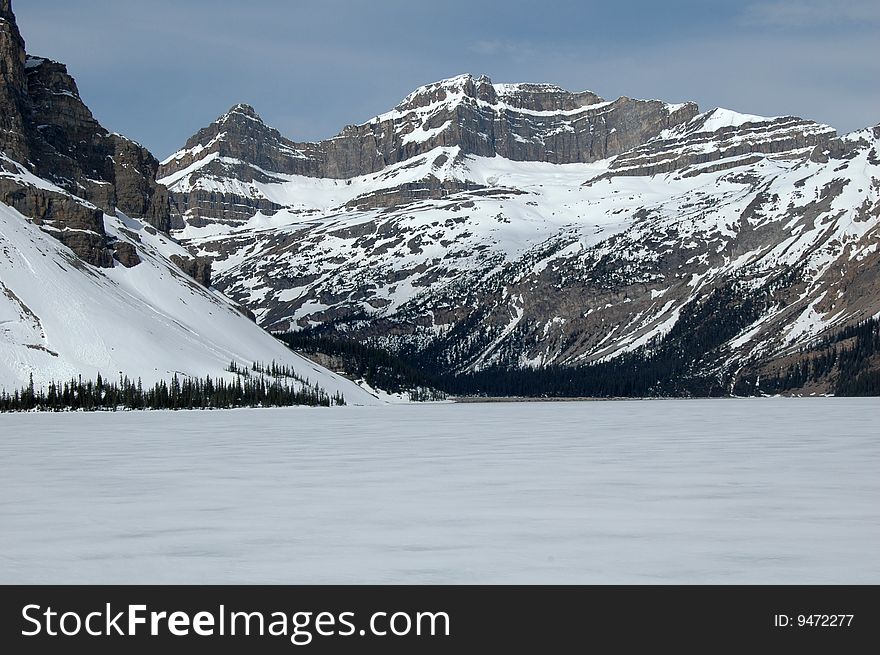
[(479, 224), (475, 225), (90, 281)]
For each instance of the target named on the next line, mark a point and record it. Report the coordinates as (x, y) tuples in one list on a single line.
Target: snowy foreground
[(729, 491)]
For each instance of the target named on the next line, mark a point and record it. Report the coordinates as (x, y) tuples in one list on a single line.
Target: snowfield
[(60, 317), (708, 491)]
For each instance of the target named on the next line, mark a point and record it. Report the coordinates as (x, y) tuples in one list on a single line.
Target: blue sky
[(157, 71)]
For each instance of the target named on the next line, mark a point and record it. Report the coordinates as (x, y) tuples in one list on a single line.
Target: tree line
[(177, 394), (674, 364)]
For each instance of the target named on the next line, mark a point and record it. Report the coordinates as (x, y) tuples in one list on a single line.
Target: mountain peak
[(526, 96), (523, 121), (451, 89), (241, 122), (458, 81), (241, 109)]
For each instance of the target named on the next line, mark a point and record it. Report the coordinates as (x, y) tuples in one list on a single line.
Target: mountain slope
[(61, 318), (48, 129)]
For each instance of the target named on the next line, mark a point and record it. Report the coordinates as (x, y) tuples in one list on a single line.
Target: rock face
[(126, 254), (47, 129), (78, 226), (520, 122), (13, 85)]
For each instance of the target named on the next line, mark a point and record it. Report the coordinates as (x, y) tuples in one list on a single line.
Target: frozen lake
[(700, 491)]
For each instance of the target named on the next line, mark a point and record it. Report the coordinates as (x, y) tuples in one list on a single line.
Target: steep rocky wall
[(13, 86), (46, 127), (70, 148), (77, 226), (198, 268)]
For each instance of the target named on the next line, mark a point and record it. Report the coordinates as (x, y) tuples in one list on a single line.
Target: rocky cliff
[(47, 131)]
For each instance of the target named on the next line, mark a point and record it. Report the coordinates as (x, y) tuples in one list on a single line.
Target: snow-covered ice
[(711, 491)]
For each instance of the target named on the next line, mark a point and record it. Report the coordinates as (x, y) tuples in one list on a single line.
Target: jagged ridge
[(520, 122)]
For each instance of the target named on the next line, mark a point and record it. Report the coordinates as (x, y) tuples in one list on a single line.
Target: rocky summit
[(519, 122)]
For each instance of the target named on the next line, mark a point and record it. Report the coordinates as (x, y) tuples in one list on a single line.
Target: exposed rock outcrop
[(13, 86), (126, 254), (70, 148), (198, 268), (522, 122), (78, 226), (708, 139)]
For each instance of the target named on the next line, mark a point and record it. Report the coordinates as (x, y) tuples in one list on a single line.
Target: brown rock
[(198, 268), (79, 227), (71, 149), (126, 254), (13, 86)]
